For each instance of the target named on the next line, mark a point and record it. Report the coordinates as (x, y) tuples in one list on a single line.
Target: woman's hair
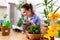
[(28, 6)]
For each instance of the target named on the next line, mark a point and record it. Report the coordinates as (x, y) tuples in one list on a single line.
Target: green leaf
[(58, 22), (45, 13), (45, 1), (34, 29), (8, 24), (56, 9), (20, 4), (20, 22), (49, 2)]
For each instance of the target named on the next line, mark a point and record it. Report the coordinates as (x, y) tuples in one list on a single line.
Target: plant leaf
[(56, 9), (45, 1), (45, 13), (49, 2)]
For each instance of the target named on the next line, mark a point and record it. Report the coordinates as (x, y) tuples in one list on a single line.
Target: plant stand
[(5, 31)]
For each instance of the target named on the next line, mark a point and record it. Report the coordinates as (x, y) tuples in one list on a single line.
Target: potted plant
[(1, 22), (33, 32), (5, 26), (20, 22)]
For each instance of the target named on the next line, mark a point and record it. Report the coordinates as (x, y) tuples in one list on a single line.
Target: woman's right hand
[(32, 23)]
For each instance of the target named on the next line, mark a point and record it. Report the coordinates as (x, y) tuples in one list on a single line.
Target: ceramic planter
[(5, 31), (33, 36)]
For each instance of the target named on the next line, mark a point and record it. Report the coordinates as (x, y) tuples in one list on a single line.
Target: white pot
[(56, 38)]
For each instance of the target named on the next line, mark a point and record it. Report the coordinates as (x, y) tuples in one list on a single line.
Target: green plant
[(58, 22), (20, 22), (34, 29), (5, 22), (48, 4)]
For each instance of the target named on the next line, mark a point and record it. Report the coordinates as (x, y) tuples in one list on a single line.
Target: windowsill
[(1, 6)]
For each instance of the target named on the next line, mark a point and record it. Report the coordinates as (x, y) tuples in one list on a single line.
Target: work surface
[(13, 36)]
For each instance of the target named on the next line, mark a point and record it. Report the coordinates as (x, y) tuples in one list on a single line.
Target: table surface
[(13, 36)]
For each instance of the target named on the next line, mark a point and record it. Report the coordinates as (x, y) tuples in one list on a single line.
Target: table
[(13, 36)]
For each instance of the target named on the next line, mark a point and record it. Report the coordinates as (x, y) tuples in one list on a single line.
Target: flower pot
[(0, 28), (5, 31), (33, 36)]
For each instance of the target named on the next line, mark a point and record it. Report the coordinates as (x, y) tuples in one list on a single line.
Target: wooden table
[(13, 36)]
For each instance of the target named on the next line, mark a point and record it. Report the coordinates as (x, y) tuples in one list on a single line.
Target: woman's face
[(26, 12)]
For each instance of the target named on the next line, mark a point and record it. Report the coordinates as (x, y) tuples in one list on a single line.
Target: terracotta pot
[(5, 31), (27, 36), (33, 36), (0, 28)]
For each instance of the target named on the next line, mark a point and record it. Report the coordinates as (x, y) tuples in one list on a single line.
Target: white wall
[(2, 10)]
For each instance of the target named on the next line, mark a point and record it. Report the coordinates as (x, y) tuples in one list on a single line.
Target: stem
[(51, 5)]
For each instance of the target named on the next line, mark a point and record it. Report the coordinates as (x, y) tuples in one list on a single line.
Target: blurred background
[(14, 14)]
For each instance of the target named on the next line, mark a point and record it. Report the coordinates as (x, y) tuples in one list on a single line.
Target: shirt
[(35, 19)]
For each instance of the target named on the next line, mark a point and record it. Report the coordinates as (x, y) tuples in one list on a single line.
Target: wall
[(5, 3), (2, 9)]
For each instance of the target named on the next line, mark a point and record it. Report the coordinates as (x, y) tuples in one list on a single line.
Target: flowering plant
[(51, 16), (5, 22)]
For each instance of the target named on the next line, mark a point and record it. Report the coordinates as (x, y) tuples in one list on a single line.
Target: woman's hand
[(32, 23)]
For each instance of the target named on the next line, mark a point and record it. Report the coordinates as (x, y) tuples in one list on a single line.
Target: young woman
[(29, 14)]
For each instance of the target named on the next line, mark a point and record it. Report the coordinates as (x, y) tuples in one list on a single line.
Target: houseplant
[(5, 26), (1, 22), (33, 32), (51, 15), (20, 22)]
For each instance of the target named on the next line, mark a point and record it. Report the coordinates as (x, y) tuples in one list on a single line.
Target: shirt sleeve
[(36, 20)]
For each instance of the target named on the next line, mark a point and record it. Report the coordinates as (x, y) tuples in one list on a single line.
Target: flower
[(53, 16)]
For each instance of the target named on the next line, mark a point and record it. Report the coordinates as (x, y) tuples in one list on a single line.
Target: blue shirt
[(35, 19)]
